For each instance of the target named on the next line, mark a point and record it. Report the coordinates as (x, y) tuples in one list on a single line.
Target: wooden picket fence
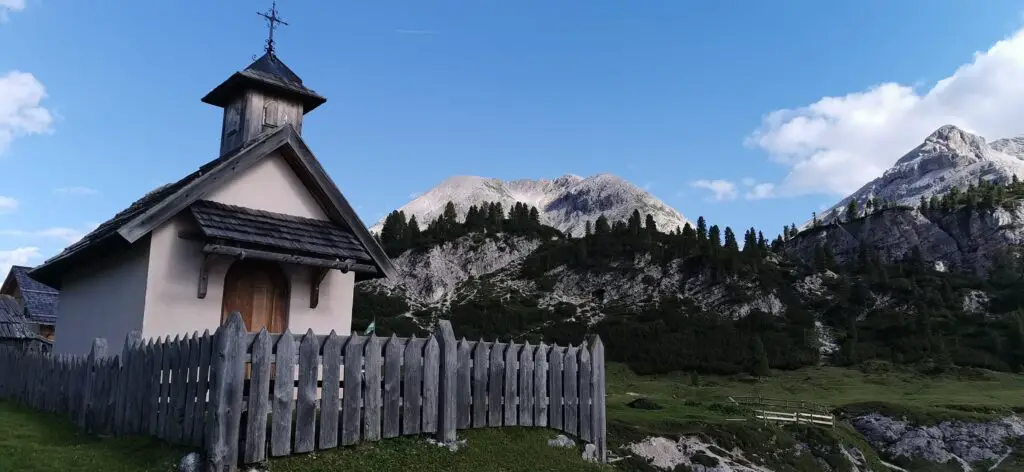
[(221, 392)]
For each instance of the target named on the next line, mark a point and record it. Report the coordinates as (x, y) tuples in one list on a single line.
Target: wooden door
[(259, 291)]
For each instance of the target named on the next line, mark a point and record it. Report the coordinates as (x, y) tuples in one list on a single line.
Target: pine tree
[(714, 237), (634, 223), (730, 241), (688, 240), (587, 230), (761, 366), (413, 231), (852, 211), (702, 231), (650, 225), (750, 245), (601, 225)]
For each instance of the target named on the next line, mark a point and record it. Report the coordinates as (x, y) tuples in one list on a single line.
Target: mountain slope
[(949, 157), (565, 203)]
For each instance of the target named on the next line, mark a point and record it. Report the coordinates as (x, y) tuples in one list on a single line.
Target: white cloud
[(8, 204), (720, 189), (7, 6), (760, 191), (18, 256), (837, 144), (20, 110), (76, 190), (67, 235)]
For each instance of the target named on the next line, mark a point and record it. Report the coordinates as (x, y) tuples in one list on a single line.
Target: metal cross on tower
[(272, 20)]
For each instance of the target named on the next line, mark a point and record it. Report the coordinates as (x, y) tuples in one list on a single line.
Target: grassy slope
[(31, 441), (966, 394), (984, 393)]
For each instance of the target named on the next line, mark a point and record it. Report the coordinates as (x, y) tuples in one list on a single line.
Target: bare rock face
[(964, 443), (565, 203), (430, 278), (969, 240)]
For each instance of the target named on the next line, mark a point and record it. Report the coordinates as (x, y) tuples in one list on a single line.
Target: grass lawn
[(31, 441)]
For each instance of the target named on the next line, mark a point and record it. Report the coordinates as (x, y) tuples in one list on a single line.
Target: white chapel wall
[(172, 305), (105, 300), (272, 186)]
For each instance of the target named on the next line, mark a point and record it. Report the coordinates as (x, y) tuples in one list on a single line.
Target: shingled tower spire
[(262, 97)]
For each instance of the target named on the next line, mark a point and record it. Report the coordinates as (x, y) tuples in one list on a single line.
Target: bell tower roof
[(262, 97), (267, 74)]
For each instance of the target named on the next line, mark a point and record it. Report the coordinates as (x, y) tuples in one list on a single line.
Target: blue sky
[(671, 95)]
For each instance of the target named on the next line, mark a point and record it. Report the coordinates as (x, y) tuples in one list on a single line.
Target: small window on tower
[(232, 120), (270, 117)]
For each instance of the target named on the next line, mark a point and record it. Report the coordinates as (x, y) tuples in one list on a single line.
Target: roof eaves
[(144, 222), (338, 200)]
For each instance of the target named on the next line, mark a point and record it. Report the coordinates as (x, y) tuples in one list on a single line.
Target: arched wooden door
[(259, 291)]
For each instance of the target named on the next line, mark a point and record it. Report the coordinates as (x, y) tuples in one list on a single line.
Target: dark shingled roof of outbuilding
[(12, 324), (40, 299)]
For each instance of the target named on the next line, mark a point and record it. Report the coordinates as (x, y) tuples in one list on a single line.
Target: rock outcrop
[(967, 239), (963, 442)]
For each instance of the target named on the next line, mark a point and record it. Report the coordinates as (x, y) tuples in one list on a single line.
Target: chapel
[(260, 229)]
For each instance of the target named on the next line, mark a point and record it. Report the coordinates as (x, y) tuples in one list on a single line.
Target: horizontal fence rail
[(243, 397), (795, 417)]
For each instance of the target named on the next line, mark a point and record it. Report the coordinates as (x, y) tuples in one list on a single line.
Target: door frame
[(272, 266)]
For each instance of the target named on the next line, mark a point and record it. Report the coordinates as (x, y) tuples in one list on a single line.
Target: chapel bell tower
[(262, 97)]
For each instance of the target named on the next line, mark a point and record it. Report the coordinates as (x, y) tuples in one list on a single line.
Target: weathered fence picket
[(481, 365), (463, 385), (412, 389), (284, 399), (242, 397), (330, 401), (392, 387)]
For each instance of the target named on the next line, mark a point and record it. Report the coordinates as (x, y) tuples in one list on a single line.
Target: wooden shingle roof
[(12, 325), (162, 204), (40, 300), (291, 233), (266, 73)]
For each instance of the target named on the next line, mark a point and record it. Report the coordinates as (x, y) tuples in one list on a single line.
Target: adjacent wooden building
[(261, 229), (38, 301), (15, 332)]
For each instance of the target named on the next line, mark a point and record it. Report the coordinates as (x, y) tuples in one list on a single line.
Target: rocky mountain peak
[(947, 147), (566, 203), (949, 157)]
